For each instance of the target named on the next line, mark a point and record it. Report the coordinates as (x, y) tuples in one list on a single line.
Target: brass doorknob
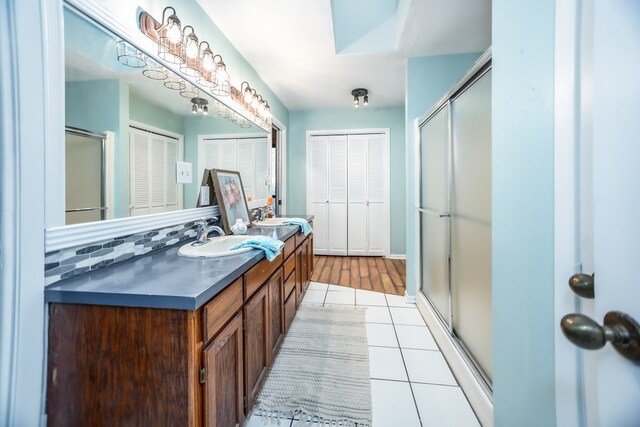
[(583, 285), (620, 329)]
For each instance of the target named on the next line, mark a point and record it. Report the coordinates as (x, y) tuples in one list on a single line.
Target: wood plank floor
[(370, 273)]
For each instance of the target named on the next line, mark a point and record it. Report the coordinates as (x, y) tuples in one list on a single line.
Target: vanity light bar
[(180, 46)]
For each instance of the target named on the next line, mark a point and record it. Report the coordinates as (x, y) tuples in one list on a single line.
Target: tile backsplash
[(70, 262)]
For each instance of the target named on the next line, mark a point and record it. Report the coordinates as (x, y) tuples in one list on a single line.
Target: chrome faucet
[(203, 232)]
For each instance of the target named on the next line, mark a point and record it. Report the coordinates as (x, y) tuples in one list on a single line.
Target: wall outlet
[(183, 173)]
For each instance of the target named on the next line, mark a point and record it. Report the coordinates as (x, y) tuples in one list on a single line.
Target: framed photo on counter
[(231, 198)]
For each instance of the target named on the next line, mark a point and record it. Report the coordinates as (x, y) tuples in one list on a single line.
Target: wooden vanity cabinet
[(223, 375), (276, 312), (170, 367), (257, 353)]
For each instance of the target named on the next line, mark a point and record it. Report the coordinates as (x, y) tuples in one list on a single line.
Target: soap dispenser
[(239, 227)]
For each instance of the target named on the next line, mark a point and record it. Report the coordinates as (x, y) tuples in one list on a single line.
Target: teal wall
[(428, 79), (141, 110), (523, 192), (393, 118)]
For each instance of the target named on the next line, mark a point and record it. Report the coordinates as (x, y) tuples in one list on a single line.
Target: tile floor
[(411, 383)]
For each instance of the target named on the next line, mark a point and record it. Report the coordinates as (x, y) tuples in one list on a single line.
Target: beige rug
[(321, 373)]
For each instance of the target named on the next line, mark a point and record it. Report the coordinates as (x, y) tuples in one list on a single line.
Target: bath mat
[(321, 373)]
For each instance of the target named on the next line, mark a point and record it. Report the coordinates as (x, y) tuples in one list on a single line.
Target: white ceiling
[(291, 45)]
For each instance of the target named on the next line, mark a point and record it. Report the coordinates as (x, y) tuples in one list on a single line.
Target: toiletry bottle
[(239, 227), (269, 213)]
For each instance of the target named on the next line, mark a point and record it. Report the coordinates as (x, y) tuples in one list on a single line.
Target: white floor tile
[(337, 288), (377, 315), (313, 297), (381, 335), (315, 286), (386, 363), (443, 406), (255, 421), (398, 301), (407, 316), (334, 297), (370, 298), (392, 404), (426, 366), (417, 337)]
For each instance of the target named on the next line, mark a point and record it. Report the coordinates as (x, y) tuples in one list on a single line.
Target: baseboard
[(397, 256), (475, 393), (410, 299)]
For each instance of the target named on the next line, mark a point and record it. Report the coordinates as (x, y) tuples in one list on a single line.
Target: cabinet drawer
[(259, 274), (289, 247), (221, 309), (289, 266), (289, 284), (289, 311)]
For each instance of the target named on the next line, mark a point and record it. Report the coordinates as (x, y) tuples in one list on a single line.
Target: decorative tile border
[(66, 263)]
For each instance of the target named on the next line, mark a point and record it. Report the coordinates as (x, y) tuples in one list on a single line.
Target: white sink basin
[(271, 222), (216, 247)]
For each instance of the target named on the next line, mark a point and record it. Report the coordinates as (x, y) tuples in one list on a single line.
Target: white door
[(377, 196), (337, 226), (318, 192), (357, 182), (597, 226)]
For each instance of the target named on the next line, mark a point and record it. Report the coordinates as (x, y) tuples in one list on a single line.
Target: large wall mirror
[(129, 120)]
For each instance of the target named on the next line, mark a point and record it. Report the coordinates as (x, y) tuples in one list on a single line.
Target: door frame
[(387, 164), (281, 179), (569, 381)]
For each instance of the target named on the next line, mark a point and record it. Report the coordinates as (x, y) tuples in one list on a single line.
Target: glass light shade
[(155, 71), (129, 55), (222, 86), (169, 51), (190, 91), (207, 60), (174, 32), (206, 78), (175, 83), (191, 48)]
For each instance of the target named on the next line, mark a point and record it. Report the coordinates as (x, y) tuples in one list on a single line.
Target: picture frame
[(232, 201)]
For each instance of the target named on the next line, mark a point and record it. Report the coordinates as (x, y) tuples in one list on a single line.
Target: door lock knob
[(620, 329), (583, 285)]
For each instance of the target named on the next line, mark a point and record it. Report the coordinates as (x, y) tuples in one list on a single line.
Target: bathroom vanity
[(161, 340)]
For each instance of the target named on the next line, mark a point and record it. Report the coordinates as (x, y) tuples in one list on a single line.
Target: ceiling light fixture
[(199, 105), (357, 93)]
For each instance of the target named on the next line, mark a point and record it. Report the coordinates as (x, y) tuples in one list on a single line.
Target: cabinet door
[(299, 275), (276, 311), (223, 387), (257, 347)]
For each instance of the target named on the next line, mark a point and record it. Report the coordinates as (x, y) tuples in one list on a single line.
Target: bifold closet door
[(357, 183), (337, 214), (471, 220), (367, 195), (327, 196), (434, 210)]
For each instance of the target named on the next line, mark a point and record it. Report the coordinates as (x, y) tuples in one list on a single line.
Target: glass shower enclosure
[(455, 216)]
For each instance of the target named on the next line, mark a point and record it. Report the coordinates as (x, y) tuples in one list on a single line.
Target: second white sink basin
[(271, 222), (216, 247)]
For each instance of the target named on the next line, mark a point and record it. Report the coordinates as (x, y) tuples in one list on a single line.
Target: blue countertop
[(162, 279)]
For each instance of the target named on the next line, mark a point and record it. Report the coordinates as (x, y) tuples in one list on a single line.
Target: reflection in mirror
[(130, 119)]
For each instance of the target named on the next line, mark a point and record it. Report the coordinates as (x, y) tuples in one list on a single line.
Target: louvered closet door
[(377, 231), (357, 192), (337, 227), (262, 161), (246, 166), (139, 182), (318, 192)]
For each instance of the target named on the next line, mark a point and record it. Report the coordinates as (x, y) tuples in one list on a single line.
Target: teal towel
[(303, 223), (269, 245)]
